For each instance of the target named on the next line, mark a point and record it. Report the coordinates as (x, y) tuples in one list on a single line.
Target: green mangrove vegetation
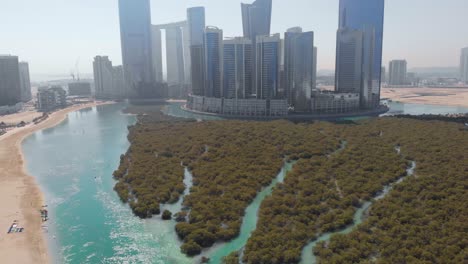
[(422, 220)]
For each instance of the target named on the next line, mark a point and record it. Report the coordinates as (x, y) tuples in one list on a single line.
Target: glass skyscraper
[(237, 73), (213, 62), (196, 28), (135, 34), (366, 16), (268, 49)]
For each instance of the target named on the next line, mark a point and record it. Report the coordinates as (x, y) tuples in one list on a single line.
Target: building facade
[(156, 50), (348, 76), (25, 82), (103, 74), (79, 89), (256, 21), (464, 65), (299, 67), (397, 72), (267, 74), (366, 16), (135, 31), (213, 62), (196, 29), (239, 107), (51, 98), (237, 71), (10, 83), (334, 103)]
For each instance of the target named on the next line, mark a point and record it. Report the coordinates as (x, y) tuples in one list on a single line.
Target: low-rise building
[(239, 107), (51, 98), (328, 102)]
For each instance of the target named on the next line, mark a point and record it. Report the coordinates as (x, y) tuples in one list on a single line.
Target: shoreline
[(21, 197), (452, 97)]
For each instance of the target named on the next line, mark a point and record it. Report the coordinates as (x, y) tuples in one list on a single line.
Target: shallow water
[(249, 222), (73, 163)]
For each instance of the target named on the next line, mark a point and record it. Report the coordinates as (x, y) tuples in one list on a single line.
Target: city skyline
[(85, 38)]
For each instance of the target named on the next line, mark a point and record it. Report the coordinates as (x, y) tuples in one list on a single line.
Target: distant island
[(338, 168)]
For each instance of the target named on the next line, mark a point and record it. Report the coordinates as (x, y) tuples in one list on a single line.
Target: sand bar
[(433, 96), (20, 196)]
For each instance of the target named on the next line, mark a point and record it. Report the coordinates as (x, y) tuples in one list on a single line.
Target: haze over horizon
[(53, 35)]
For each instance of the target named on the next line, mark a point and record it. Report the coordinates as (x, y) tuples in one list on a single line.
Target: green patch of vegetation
[(423, 218)]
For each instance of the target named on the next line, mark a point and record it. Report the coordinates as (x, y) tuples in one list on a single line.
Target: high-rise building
[(366, 16), (383, 75), (237, 73), (10, 86), (103, 75), (156, 50), (268, 56), (256, 21), (256, 18), (397, 72), (118, 82), (213, 62), (196, 28), (25, 82), (348, 76), (300, 68), (175, 55), (135, 31), (464, 65)]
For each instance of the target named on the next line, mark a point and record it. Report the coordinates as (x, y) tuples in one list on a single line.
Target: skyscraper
[(103, 77), (397, 72), (156, 50), (118, 82), (175, 55), (464, 65), (213, 62), (299, 66), (25, 82), (256, 18), (256, 21), (237, 73), (366, 16), (268, 66), (135, 33), (10, 87), (196, 28), (348, 76)]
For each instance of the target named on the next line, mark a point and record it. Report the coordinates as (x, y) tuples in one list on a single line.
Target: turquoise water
[(249, 222), (73, 163)]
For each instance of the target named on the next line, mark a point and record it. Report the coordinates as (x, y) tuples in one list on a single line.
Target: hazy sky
[(52, 34)]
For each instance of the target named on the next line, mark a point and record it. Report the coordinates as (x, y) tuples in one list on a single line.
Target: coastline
[(21, 197), (456, 97)]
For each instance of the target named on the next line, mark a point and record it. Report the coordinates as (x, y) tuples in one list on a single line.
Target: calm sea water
[(73, 163)]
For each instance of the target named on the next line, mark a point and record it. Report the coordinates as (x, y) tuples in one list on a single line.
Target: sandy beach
[(20, 196), (434, 96)]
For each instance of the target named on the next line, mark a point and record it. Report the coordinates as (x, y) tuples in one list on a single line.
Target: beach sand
[(20, 196), (434, 96), (27, 117)]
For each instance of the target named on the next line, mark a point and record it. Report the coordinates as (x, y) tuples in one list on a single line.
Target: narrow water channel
[(249, 223), (308, 256)]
